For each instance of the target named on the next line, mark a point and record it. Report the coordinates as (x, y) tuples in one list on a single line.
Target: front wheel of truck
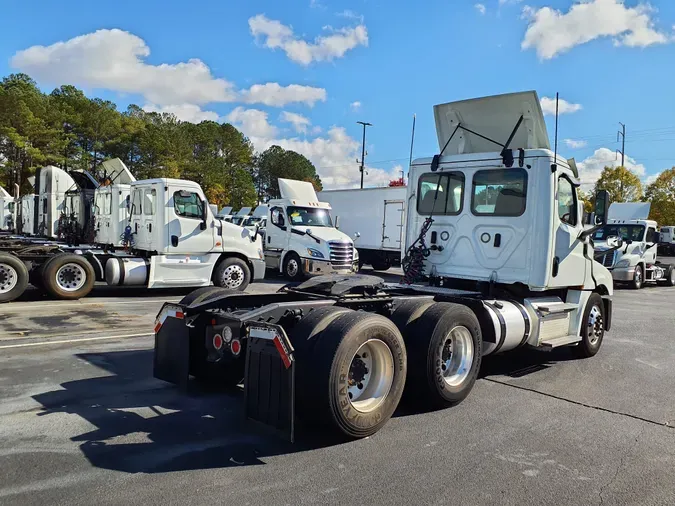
[(232, 273), (592, 327), (638, 278)]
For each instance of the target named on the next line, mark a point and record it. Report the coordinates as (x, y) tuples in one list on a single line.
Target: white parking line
[(66, 341)]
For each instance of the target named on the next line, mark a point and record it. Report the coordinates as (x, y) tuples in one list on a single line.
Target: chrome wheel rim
[(457, 353), (371, 375), (594, 325), (8, 278), (233, 277), (638, 276), (71, 277), (292, 268)]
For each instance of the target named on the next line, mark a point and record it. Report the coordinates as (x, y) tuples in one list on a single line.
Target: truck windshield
[(626, 232), (309, 216)]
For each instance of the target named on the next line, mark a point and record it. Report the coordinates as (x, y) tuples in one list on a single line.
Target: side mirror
[(614, 242), (205, 213), (601, 206), (357, 235), (337, 222), (657, 238)]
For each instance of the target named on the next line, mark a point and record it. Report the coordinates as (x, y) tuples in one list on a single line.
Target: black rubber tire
[(586, 349), (203, 294), (226, 374), (424, 338), (293, 256), (332, 356), (408, 312), (51, 268), (670, 277), (305, 334), (219, 273), (635, 284), (21, 277), (382, 264)]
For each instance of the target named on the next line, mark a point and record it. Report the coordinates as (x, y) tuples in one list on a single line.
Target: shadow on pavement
[(143, 425)]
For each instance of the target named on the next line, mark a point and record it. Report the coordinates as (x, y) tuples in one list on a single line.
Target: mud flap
[(269, 382), (172, 346)]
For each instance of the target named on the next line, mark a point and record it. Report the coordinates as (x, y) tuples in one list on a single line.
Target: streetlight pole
[(363, 148)]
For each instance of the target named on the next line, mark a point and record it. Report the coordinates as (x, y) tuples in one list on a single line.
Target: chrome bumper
[(314, 267), (623, 274)]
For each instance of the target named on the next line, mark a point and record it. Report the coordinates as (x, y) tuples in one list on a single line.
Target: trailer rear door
[(392, 226)]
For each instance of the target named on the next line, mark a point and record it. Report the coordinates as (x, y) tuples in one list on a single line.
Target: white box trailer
[(374, 218)]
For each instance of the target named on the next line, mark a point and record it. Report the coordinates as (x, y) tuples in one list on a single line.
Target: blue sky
[(301, 73)]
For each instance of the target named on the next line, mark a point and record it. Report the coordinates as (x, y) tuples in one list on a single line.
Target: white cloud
[(355, 106), (480, 8), (252, 122), (564, 107), (550, 32), (273, 94), (506, 2), (650, 179), (334, 154), (115, 60), (184, 112), (350, 15), (591, 168), (575, 144), (273, 34), (299, 122)]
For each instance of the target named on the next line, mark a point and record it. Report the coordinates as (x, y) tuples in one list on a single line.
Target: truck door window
[(501, 192), (149, 201), (136, 202), (440, 194), (567, 201), (187, 204), (650, 235)]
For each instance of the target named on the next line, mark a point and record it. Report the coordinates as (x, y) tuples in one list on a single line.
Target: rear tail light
[(235, 347)]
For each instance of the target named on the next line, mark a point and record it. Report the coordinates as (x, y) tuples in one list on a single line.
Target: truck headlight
[(623, 263), (314, 253)]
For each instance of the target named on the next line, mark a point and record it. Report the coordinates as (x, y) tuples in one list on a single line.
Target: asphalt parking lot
[(82, 421)]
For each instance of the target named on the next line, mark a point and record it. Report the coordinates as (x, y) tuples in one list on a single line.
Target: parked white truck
[(7, 206), (300, 237), (634, 263), (497, 258), (667, 243), (170, 239), (375, 218)]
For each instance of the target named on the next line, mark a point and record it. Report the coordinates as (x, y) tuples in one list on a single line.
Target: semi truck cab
[(635, 262), (301, 238)]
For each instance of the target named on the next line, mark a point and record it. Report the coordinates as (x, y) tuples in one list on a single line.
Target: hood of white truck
[(493, 117), (326, 234)]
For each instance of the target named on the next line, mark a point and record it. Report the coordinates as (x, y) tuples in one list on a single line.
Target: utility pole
[(622, 133), (363, 148)]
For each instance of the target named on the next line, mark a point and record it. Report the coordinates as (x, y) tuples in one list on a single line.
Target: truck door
[(277, 235), (392, 226), (650, 252), (149, 213), (569, 263), (188, 231), (137, 221)]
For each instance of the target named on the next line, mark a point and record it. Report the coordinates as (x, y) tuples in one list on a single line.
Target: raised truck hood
[(628, 211), (494, 117)]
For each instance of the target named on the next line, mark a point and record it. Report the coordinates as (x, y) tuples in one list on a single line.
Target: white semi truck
[(170, 238), (667, 243), (301, 238), (633, 263), (7, 206), (375, 218), (497, 258)]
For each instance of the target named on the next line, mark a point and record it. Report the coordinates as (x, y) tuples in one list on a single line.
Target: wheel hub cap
[(595, 324), (292, 267), (233, 276), (371, 375), (8, 278), (457, 356), (71, 277)]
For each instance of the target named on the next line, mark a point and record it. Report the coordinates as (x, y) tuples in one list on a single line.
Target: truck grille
[(341, 253), (607, 259)]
